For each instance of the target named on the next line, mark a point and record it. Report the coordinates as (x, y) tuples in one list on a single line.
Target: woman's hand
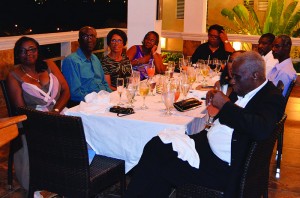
[(223, 36), (153, 49)]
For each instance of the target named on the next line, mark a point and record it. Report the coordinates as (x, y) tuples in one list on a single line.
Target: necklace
[(214, 49), (36, 79)]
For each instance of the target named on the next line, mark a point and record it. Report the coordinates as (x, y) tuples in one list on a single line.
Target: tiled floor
[(288, 186)]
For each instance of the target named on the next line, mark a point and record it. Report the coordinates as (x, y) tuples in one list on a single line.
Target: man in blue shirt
[(82, 69), (284, 70)]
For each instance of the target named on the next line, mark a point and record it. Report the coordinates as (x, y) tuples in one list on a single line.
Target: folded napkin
[(95, 103), (102, 97), (182, 144), (196, 94)]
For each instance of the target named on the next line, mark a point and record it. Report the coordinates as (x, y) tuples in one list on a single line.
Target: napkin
[(98, 98), (182, 144), (95, 103)]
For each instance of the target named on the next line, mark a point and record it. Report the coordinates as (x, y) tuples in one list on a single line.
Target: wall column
[(195, 13), (140, 20)]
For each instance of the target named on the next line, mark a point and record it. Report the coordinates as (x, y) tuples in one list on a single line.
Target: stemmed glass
[(175, 85), (185, 86), (213, 111), (144, 90), (137, 78), (131, 89), (191, 76), (217, 64), (150, 70), (152, 83), (204, 69), (120, 86), (170, 69), (168, 99)]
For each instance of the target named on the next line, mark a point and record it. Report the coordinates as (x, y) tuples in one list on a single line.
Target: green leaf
[(293, 21)]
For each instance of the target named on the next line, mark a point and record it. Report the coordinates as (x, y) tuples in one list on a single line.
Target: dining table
[(125, 137)]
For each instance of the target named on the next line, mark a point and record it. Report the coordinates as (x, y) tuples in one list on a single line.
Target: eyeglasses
[(88, 36), (213, 36), (114, 41), (151, 40), (24, 51)]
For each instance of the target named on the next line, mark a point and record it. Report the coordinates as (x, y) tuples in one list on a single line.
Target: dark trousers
[(159, 169)]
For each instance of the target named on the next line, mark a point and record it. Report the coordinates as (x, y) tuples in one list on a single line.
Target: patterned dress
[(116, 69)]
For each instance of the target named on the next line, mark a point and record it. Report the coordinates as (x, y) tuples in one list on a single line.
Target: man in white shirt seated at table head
[(265, 44), (222, 148), (284, 70)]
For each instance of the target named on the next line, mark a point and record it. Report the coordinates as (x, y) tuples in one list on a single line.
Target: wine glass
[(120, 86), (175, 86), (204, 69), (185, 86), (170, 69), (150, 70), (191, 75), (131, 89), (144, 90), (212, 112), (137, 78), (168, 99), (217, 64), (152, 83)]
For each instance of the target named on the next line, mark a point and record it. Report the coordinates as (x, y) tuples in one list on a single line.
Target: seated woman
[(141, 55), (217, 45), (116, 64), (37, 84)]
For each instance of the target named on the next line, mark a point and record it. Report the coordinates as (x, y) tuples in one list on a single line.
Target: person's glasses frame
[(88, 36), (24, 51), (118, 41), (213, 36)]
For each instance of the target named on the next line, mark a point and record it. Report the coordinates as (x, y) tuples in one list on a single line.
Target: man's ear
[(255, 75)]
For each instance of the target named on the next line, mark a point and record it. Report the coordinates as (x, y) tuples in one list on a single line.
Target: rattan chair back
[(58, 157)]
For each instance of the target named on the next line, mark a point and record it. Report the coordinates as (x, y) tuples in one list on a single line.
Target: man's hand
[(216, 98)]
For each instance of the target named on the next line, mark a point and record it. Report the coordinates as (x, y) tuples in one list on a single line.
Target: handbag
[(187, 104), (121, 110)]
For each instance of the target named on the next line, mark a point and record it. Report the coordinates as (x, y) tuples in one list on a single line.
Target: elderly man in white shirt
[(265, 44), (222, 149)]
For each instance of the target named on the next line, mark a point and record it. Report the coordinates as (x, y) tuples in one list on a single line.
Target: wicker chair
[(58, 157), (280, 137), (12, 144), (255, 176)]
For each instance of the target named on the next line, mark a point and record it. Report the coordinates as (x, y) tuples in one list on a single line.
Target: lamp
[(163, 42), (237, 45)]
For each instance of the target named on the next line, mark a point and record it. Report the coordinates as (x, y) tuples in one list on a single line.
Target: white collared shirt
[(270, 61), (219, 136)]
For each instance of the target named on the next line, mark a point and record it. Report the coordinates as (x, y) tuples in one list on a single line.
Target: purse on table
[(121, 110), (187, 104)]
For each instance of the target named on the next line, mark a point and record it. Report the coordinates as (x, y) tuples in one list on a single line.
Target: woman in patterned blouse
[(116, 64)]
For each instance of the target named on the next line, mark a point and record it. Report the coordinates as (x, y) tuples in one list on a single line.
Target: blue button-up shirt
[(83, 75), (283, 71)]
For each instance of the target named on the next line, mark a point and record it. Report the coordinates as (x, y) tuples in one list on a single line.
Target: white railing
[(65, 39)]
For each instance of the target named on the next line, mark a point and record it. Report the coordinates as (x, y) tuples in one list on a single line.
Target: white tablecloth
[(125, 137)]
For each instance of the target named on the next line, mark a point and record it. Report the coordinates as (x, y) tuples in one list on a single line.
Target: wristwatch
[(226, 41)]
